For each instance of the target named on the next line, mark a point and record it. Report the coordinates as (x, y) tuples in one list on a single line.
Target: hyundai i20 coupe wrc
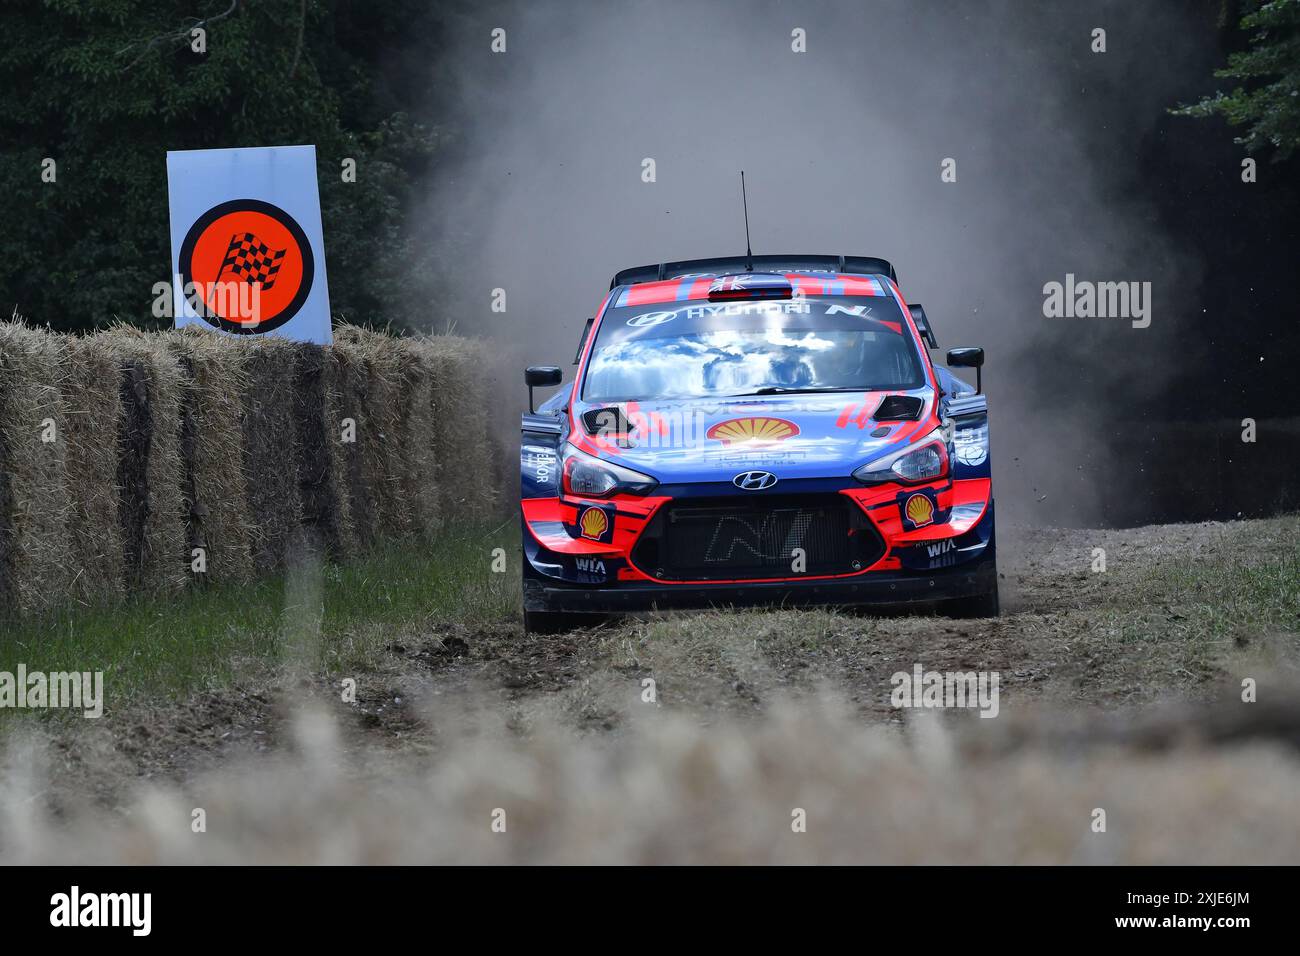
[(756, 430)]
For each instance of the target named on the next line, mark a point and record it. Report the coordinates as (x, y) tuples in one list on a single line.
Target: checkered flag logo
[(250, 259)]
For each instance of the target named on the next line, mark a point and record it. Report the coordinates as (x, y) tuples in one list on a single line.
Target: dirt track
[(1181, 615), (1068, 638)]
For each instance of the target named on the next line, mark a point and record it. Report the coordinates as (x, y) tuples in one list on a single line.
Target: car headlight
[(586, 476), (923, 460)]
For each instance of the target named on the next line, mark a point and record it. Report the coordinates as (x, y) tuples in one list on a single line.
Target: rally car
[(757, 430)]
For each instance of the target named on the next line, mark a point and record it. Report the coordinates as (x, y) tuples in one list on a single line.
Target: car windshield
[(701, 349)]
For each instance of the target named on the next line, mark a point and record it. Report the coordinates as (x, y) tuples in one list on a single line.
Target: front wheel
[(980, 605)]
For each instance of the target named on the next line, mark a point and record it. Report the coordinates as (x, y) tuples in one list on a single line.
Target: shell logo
[(919, 510), (738, 431), (593, 523)]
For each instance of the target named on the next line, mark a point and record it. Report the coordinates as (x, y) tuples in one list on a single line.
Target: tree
[(104, 89), (1267, 102)]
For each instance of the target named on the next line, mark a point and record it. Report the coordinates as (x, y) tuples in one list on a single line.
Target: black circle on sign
[(275, 212)]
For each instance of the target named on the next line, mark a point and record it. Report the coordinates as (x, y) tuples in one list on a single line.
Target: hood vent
[(607, 422), (899, 408)]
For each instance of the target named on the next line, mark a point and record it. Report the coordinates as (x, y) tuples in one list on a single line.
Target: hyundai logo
[(650, 319), (754, 480)]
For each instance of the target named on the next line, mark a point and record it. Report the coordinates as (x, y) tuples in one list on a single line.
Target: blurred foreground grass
[(319, 615)]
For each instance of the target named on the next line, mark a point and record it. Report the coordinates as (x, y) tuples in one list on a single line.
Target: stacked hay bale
[(371, 397), (269, 453), (419, 465), (326, 510), (124, 451), (35, 547), (501, 428), (463, 406), (344, 384), (215, 497), (387, 415), (151, 508), (92, 393)]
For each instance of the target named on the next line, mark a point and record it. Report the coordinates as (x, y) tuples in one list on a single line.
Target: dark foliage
[(105, 88)]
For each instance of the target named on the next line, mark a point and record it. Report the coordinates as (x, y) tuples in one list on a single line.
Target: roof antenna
[(749, 255)]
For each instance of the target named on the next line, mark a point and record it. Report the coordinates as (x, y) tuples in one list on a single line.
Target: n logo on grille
[(754, 480)]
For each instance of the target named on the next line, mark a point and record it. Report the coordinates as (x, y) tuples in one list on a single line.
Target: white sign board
[(248, 254)]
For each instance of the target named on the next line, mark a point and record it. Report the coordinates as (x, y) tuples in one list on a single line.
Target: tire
[(558, 622), (980, 606)]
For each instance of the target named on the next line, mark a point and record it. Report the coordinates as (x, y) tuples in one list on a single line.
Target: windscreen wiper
[(787, 389)]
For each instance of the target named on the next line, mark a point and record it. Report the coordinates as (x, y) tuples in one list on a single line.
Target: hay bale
[(93, 396), (320, 469), (156, 555), (344, 386), (501, 429), (376, 461), (165, 442), (35, 547), (274, 500), (462, 403), (419, 476), (214, 486), (386, 463)]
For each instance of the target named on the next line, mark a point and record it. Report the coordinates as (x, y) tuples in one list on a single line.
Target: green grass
[(1188, 620), (169, 646), (1223, 596)]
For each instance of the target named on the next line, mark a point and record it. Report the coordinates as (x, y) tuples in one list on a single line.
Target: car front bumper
[(971, 579)]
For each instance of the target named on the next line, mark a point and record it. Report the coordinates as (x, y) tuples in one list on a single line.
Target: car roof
[(693, 287), (728, 265)]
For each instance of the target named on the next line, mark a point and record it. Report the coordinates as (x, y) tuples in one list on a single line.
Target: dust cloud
[(842, 146)]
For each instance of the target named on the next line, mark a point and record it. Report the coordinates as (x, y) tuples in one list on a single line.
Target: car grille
[(735, 539)]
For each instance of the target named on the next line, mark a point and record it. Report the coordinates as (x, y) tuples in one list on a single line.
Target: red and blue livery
[(756, 430)]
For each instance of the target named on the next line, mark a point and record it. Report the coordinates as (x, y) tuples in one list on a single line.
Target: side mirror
[(541, 376), (968, 358)]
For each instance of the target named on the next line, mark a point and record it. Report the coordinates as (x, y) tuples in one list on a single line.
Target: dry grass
[(669, 790), (371, 387), (216, 502), (36, 557), (464, 408), (94, 417), (326, 512), (344, 385), (419, 485), (150, 470), (270, 450)]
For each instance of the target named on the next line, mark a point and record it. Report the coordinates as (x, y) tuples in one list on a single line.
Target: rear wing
[(850, 265)]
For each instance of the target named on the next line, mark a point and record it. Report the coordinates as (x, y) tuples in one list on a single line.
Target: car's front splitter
[(972, 579)]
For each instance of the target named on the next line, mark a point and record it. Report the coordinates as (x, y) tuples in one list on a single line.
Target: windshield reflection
[(742, 361)]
